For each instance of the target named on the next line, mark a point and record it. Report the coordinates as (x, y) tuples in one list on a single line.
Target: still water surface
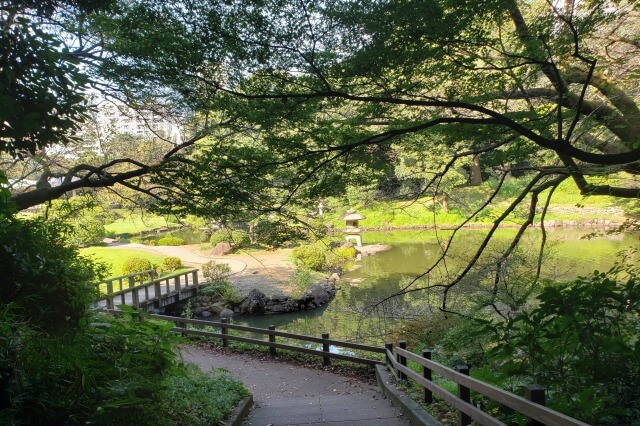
[(410, 254)]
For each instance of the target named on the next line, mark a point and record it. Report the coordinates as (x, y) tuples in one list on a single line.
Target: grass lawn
[(115, 257), (567, 204)]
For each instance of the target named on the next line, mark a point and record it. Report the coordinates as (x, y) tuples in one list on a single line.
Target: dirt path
[(267, 271)]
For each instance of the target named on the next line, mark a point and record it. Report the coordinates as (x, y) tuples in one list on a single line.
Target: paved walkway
[(286, 394)]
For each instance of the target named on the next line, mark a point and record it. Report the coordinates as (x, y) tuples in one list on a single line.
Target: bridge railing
[(151, 291), (113, 284)]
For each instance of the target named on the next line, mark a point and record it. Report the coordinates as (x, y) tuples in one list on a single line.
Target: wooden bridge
[(143, 290)]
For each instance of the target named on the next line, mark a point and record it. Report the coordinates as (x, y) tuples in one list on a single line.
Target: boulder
[(206, 314), (320, 295), (217, 307), (226, 313), (254, 303), (221, 249)]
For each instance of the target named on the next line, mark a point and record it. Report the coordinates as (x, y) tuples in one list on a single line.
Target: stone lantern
[(352, 229)]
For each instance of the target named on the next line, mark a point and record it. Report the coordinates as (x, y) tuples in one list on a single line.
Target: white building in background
[(143, 123)]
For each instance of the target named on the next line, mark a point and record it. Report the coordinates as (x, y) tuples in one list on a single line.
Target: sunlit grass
[(114, 258), (134, 223)]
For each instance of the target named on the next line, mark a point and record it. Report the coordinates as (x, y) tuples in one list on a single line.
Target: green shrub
[(170, 264), (171, 241), (220, 290), (136, 240), (136, 264), (346, 253), (581, 342), (221, 236), (205, 236), (114, 371), (310, 257), (43, 277), (88, 232), (215, 272), (186, 396), (240, 238), (277, 233), (150, 242)]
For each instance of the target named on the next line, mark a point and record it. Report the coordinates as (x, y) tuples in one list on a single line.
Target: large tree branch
[(97, 177)]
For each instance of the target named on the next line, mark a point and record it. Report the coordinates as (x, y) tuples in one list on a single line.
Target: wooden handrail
[(263, 331), (518, 403), (148, 271), (145, 284)]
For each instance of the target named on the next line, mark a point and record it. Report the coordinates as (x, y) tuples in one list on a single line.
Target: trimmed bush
[(215, 272), (170, 264), (221, 236), (171, 241), (309, 257), (240, 238), (136, 264), (346, 253)]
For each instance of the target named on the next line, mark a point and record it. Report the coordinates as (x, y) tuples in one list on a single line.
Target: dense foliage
[(45, 280), (63, 364), (578, 339), (320, 256)]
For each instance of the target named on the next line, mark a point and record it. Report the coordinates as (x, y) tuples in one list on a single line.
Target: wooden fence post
[(176, 287), (157, 289), (426, 373), (224, 330), (183, 325), (389, 347), (325, 348), (109, 292), (132, 282), (272, 339), (134, 298), (534, 393), (464, 393), (402, 360)]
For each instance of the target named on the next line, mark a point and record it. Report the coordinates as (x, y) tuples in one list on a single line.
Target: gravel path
[(286, 394)]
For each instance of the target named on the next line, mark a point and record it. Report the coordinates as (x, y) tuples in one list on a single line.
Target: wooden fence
[(531, 406), (141, 290), (272, 334)]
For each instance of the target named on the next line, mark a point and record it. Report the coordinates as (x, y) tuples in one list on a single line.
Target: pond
[(348, 316)]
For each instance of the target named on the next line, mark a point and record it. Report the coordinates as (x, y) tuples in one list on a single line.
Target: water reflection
[(356, 313)]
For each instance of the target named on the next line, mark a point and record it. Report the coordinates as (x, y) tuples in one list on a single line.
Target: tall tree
[(304, 95)]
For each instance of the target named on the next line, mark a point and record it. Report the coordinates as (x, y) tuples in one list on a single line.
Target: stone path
[(286, 394)]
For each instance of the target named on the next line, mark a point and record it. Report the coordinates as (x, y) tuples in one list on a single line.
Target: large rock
[(217, 307), (226, 313), (221, 249), (254, 303), (320, 295), (281, 306)]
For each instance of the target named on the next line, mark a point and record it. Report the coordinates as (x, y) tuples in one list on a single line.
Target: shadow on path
[(286, 394)]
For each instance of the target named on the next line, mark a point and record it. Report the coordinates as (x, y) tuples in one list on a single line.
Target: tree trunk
[(475, 173)]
